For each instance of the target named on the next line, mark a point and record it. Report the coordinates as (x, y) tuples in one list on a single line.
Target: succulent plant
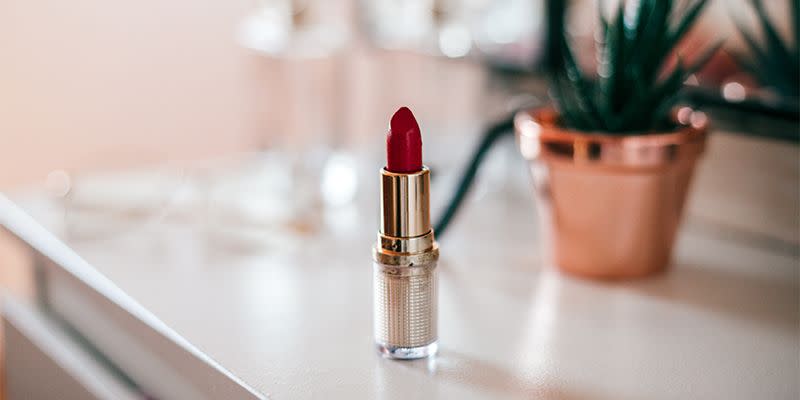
[(636, 86), (774, 63)]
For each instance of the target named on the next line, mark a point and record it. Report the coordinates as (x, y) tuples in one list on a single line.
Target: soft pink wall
[(91, 83)]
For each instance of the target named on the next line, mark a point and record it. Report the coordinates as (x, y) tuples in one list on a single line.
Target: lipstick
[(405, 255), (404, 143)]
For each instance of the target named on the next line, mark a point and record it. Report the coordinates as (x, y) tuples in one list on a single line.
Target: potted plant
[(775, 64), (612, 160)]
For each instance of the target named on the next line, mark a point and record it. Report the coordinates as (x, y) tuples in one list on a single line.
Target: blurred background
[(91, 89), (96, 85)]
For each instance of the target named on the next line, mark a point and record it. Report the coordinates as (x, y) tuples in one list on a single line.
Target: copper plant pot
[(609, 205)]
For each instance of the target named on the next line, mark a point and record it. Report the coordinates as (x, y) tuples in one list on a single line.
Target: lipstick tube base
[(407, 353), (405, 307), (405, 275)]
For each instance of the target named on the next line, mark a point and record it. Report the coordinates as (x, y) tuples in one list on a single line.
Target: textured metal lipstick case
[(405, 257)]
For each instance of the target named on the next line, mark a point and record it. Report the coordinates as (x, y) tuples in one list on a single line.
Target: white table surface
[(290, 313)]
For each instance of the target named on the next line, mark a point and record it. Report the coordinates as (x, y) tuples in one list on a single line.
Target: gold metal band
[(417, 244), (405, 205), (405, 259), (404, 270), (406, 252)]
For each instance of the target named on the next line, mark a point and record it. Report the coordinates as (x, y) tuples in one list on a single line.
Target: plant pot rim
[(540, 136)]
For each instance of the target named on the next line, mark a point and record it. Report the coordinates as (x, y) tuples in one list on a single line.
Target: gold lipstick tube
[(405, 256)]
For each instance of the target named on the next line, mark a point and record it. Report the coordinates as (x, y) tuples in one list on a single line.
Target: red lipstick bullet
[(404, 143)]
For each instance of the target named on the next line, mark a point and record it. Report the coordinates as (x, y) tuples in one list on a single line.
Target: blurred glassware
[(339, 180), (438, 27), (112, 204), (509, 33), (298, 108), (454, 26), (253, 201), (398, 23), (298, 28)]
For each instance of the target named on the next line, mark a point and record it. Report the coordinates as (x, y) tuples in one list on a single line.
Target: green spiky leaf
[(631, 91), (773, 62)]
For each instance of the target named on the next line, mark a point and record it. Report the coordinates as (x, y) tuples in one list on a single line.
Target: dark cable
[(490, 136), (556, 11)]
